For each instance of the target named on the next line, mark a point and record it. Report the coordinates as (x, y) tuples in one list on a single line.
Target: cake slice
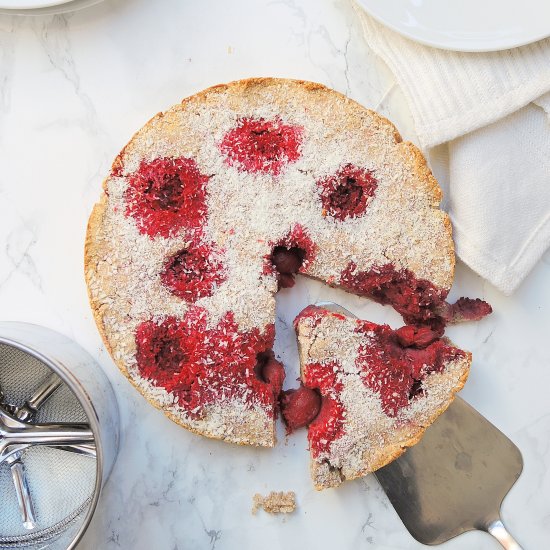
[(379, 389)]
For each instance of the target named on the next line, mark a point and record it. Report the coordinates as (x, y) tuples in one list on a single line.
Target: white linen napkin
[(493, 111)]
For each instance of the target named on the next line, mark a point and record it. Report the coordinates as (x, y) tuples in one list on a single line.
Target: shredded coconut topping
[(370, 438), (247, 211)]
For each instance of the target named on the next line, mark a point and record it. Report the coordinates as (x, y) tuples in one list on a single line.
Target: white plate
[(29, 4), (465, 25), (43, 7)]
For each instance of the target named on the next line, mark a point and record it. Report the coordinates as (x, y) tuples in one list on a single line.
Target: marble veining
[(73, 89)]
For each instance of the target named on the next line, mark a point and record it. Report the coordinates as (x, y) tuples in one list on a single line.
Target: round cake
[(217, 203)]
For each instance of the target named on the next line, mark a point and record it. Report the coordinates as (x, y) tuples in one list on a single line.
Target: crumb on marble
[(275, 502)]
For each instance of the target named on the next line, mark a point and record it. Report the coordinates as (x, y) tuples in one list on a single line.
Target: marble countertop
[(73, 89)]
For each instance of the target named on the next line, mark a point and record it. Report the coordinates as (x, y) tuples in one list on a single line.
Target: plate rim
[(452, 45), (31, 4), (65, 6)]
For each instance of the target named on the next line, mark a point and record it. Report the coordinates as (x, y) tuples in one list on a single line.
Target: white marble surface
[(73, 90)]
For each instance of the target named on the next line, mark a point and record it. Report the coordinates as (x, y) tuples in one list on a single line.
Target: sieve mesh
[(61, 483)]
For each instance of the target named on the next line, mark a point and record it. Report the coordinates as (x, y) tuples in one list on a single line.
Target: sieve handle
[(86, 449), (496, 529), (56, 435), (38, 398), (22, 490)]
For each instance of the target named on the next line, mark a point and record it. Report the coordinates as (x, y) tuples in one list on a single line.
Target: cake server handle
[(496, 529)]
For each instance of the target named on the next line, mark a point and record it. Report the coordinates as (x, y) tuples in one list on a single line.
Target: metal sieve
[(60, 481)]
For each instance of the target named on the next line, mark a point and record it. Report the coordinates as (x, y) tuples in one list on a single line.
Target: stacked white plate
[(43, 7), (465, 25)]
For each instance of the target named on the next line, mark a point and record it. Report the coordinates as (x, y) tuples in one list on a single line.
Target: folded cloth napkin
[(492, 110)]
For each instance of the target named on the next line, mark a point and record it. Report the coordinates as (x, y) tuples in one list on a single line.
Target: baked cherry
[(416, 389), (394, 363), (418, 337), (200, 365), (327, 426), (299, 407), (260, 145), (415, 299), (193, 272), (465, 309), (160, 354), (270, 371), (165, 195), (290, 255), (346, 193), (288, 260)]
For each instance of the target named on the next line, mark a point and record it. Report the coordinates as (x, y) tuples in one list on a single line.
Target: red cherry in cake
[(299, 407), (392, 363), (165, 195), (392, 369), (418, 337), (290, 255), (325, 422), (328, 424), (417, 300), (202, 365), (259, 145), (416, 389), (193, 272), (287, 262), (270, 371), (346, 193), (160, 354)]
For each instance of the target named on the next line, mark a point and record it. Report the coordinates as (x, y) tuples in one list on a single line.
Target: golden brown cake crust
[(411, 182)]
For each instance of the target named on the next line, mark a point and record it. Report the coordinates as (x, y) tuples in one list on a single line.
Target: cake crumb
[(275, 502)]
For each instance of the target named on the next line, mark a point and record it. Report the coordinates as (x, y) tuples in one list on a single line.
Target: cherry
[(288, 260), (345, 194), (300, 407), (259, 145), (270, 371)]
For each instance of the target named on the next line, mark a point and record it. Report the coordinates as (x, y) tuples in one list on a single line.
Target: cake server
[(455, 479)]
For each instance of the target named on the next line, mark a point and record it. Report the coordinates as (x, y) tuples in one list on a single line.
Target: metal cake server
[(455, 479)]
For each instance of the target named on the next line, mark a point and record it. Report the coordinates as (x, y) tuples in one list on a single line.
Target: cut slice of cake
[(380, 389)]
